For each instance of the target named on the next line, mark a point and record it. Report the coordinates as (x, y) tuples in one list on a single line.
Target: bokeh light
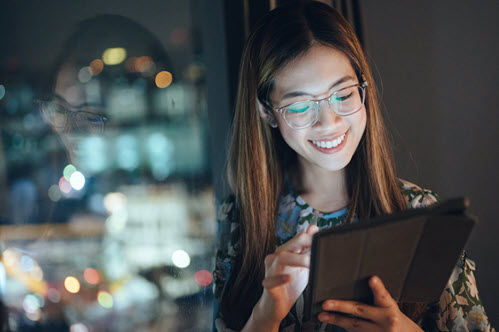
[(72, 284), (2, 91), (143, 64), (68, 171), (27, 263), (53, 295), (163, 79), (203, 277), (105, 299), (91, 276), (64, 185), (114, 202), (181, 259), (113, 56), (96, 67), (54, 193), (84, 74), (78, 327), (77, 180), (31, 303)]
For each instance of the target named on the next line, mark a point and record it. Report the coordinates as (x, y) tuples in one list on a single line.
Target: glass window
[(107, 211)]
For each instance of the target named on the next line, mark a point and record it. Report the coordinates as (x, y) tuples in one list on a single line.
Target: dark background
[(435, 62)]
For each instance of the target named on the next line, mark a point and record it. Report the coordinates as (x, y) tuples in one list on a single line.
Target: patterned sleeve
[(227, 244), (459, 307)]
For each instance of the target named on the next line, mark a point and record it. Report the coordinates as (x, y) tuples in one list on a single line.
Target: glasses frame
[(70, 111), (281, 110)]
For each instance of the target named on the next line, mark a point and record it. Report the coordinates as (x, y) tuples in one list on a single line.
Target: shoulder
[(416, 196)]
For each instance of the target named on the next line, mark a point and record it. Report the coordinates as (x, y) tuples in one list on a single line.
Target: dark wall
[(437, 73)]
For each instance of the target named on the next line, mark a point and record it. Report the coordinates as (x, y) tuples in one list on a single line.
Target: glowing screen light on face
[(181, 259), (77, 180)]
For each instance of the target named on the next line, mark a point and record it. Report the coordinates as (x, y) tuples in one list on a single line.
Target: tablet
[(413, 252)]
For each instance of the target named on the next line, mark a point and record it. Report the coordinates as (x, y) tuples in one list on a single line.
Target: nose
[(327, 117)]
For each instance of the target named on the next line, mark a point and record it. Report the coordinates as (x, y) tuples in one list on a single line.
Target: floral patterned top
[(459, 307)]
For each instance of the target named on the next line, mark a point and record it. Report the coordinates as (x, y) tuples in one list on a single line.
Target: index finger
[(300, 242)]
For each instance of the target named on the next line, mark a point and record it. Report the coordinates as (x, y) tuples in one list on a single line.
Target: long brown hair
[(258, 155)]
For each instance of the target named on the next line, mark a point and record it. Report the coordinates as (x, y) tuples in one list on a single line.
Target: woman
[(308, 137)]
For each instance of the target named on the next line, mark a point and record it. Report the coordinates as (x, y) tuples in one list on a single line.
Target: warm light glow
[(114, 56), (68, 171), (163, 79), (64, 185), (72, 284), (203, 277), (114, 202), (77, 180), (105, 299), (78, 327), (91, 276), (143, 64), (96, 67), (181, 259), (130, 64), (53, 295)]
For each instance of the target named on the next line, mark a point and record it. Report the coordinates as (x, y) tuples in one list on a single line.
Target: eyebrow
[(302, 93)]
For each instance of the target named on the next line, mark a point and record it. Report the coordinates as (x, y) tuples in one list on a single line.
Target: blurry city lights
[(53, 295), (114, 202), (9, 257), (114, 56), (96, 67), (72, 284), (2, 91), (105, 299), (31, 303), (128, 156), (91, 276), (181, 259), (78, 327), (68, 171), (64, 185), (77, 180), (163, 79), (34, 316), (26, 263), (84, 74), (203, 277), (116, 222), (37, 273), (130, 64), (54, 193), (143, 64)]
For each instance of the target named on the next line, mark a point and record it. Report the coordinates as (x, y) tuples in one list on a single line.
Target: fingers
[(275, 281), (348, 323), (353, 308), (286, 258), (301, 241), (382, 297)]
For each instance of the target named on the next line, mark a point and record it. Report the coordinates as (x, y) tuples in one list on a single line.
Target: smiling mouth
[(329, 144)]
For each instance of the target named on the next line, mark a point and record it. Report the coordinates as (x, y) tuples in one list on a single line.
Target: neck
[(322, 189)]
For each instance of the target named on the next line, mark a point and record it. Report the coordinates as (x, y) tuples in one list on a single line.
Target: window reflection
[(109, 219)]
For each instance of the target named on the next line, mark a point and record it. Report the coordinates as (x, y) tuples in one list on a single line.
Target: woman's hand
[(286, 276), (385, 315)]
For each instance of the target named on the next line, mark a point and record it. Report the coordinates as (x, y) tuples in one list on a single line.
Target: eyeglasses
[(64, 116), (304, 114)]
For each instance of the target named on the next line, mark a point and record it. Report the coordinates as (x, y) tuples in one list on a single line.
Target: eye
[(298, 108), (340, 98)]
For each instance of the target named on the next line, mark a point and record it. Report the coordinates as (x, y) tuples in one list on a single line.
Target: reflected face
[(331, 142)]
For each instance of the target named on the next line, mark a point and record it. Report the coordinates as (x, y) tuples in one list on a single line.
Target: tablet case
[(413, 252)]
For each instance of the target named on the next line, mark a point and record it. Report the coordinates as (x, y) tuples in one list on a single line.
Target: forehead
[(312, 72)]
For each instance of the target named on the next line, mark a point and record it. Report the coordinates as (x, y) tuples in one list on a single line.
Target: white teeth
[(330, 144)]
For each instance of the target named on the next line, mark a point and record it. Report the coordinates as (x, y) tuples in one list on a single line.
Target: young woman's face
[(313, 76)]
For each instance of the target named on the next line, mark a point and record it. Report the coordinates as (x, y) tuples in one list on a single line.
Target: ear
[(267, 114)]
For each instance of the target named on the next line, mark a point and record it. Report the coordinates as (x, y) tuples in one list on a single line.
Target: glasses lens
[(348, 100), (89, 122), (300, 115), (54, 113)]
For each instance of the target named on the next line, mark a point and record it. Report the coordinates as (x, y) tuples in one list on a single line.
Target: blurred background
[(113, 125)]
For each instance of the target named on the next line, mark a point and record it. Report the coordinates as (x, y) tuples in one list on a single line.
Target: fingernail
[(328, 305)]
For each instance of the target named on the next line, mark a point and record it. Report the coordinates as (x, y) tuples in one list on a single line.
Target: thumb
[(312, 229), (382, 297)]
